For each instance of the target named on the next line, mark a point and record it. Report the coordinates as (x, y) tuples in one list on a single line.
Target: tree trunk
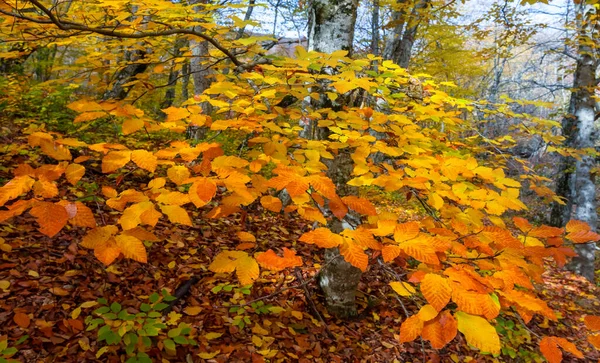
[(399, 48), (581, 136), (331, 28), (173, 75)]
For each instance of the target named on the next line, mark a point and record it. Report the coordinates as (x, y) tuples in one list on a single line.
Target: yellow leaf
[(436, 290), (247, 270), (402, 288), (206, 355), (51, 217), (4, 285), (226, 261), (192, 310), (178, 174), (75, 313), (212, 336), (360, 205), (131, 125), (89, 304), (478, 332), (173, 198), (144, 159), (132, 247), (256, 340), (74, 172), (176, 214), (435, 201), (427, 312), (405, 231), (115, 160)]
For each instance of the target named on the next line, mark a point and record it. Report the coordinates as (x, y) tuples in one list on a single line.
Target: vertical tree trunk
[(331, 28), (580, 135), (399, 48), (173, 75)]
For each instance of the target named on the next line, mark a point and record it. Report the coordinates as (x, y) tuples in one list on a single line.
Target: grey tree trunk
[(581, 134), (331, 28), (399, 48)]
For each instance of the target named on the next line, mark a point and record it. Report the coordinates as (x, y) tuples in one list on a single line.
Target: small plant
[(6, 352), (135, 332)]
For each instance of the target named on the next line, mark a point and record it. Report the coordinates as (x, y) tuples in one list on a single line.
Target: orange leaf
[(22, 320), (98, 236), (271, 203), (271, 261), (406, 231), (410, 329), (84, 217), (337, 207), (421, 249), (436, 290), (51, 217), (389, 252), (577, 226), (546, 231), (441, 330), (355, 255), (176, 214), (583, 236), (549, 348), (322, 237), (107, 252), (360, 205), (14, 188), (592, 322), (594, 339), (202, 191), (522, 223)]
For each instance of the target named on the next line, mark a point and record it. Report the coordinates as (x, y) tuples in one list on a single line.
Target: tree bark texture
[(581, 135), (331, 28), (399, 47)]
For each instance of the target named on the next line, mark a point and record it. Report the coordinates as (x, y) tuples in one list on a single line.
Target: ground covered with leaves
[(55, 295)]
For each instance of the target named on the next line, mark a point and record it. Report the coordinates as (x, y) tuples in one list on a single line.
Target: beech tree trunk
[(331, 28), (580, 132), (399, 47)]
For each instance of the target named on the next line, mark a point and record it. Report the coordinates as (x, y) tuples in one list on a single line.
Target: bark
[(331, 25), (399, 48), (126, 74), (331, 28), (173, 75), (581, 135), (375, 28)]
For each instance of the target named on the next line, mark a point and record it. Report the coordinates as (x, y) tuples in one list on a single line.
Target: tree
[(578, 126)]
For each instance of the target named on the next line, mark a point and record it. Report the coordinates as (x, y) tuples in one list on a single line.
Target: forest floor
[(47, 279), (44, 282)]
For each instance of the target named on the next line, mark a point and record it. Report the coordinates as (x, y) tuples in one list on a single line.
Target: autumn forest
[(299, 181)]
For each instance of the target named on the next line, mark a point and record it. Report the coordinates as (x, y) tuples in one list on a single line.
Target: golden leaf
[(402, 288), (74, 172), (406, 231), (436, 290), (178, 174), (577, 226), (478, 332), (131, 247), (98, 236), (84, 216), (131, 125), (144, 159), (15, 187), (115, 160), (202, 191), (390, 252), (176, 214)]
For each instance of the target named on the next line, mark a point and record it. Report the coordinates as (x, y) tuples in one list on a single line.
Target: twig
[(312, 303)]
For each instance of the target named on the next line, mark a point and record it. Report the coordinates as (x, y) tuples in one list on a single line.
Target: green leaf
[(169, 344), (115, 307), (180, 340), (102, 310), (145, 307), (174, 332), (153, 298)]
